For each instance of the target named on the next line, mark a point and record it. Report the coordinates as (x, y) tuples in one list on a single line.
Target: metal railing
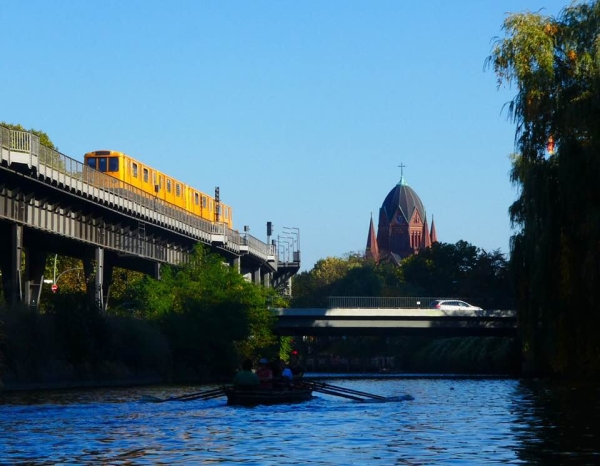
[(372, 302), (21, 141), (55, 165)]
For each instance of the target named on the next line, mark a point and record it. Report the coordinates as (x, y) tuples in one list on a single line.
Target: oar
[(197, 395), (331, 392), (205, 395), (324, 388), (188, 397), (348, 390)]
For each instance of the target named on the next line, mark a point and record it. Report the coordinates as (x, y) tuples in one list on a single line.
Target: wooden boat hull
[(266, 397)]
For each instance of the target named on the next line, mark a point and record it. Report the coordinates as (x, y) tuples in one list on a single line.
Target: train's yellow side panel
[(156, 183)]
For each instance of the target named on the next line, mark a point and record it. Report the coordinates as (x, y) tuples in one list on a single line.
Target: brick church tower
[(402, 229)]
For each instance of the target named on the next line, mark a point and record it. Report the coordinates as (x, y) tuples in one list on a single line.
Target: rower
[(246, 379), (265, 375), (286, 374)]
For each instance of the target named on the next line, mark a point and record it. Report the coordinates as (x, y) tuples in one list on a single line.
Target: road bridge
[(394, 322), (51, 203)]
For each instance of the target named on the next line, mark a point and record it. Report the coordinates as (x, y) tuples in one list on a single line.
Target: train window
[(226, 213), (91, 162), (196, 198), (204, 202), (102, 164), (145, 175), (113, 164), (178, 189), (135, 170), (168, 185)]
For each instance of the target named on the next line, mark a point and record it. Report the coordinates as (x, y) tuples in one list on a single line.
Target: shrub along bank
[(195, 324)]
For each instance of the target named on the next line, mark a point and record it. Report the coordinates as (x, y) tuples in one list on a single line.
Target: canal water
[(449, 421)]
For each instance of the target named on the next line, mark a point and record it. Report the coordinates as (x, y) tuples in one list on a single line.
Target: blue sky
[(300, 112)]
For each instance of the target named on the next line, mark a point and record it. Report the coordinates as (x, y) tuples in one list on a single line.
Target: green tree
[(460, 270), (456, 270), (332, 276), (211, 316), (554, 64)]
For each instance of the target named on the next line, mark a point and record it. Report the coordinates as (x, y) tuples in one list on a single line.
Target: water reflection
[(466, 421), (558, 422)]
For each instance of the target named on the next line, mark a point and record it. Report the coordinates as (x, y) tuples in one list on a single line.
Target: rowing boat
[(266, 397)]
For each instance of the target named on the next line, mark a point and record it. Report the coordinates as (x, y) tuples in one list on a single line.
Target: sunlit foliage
[(458, 270), (211, 316), (554, 65)]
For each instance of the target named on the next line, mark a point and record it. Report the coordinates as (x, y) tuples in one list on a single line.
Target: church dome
[(404, 198)]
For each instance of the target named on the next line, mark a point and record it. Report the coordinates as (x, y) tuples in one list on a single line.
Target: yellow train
[(131, 171)]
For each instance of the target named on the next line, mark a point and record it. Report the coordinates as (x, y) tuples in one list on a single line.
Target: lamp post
[(294, 231), (55, 278), (293, 241), (64, 272), (286, 249), (294, 251)]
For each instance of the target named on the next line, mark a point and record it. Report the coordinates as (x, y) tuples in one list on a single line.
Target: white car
[(452, 305)]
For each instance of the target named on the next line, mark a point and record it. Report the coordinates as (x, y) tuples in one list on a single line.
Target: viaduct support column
[(256, 277), (11, 265), (6, 260), (267, 280), (98, 280), (35, 263), (107, 277), (236, 264)]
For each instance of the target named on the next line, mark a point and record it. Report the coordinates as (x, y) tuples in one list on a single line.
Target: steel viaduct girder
[(38, 218)]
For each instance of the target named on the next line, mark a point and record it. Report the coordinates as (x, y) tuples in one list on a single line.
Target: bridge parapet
[(399, 312), (393, 302), (380, 302)]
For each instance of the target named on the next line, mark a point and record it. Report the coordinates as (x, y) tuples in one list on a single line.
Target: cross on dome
[(402, 167)]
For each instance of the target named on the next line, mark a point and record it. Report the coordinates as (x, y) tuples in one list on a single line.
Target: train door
[(161, 186)]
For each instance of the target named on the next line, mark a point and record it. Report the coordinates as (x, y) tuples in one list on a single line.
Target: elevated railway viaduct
[(53, 204)]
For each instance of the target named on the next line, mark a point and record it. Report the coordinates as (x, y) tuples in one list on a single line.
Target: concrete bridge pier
[(35, 264), (10, 263), (267, 277), (98, 277), (236, 264), (256, 276), (21, 280)]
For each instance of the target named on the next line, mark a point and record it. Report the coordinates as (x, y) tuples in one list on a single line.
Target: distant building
[(402, 229)]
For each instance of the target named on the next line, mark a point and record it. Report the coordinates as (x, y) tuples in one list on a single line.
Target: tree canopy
[(444, 270), (554, 65), (209, 313)]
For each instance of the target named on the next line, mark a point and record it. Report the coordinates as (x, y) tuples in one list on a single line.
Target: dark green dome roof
[(404, 198)]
